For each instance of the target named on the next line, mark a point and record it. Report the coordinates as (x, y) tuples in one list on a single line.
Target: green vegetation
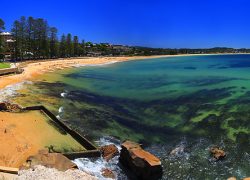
[(4, 65), (1, 39), (35, 39)]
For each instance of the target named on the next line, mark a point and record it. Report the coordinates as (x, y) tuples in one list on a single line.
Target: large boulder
[(109, 151), (49, 160), (143, 164)]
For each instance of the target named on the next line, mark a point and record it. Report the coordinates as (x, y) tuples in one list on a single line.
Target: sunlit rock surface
[(143, 164)]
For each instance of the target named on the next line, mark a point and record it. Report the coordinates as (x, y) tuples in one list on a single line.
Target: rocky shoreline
[(50, 165), (133, 158), (42, 173)]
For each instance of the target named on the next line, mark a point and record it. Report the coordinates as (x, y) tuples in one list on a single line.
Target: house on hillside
[(121, 49)]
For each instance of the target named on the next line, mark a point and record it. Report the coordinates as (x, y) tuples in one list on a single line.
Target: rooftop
[(5, 33)]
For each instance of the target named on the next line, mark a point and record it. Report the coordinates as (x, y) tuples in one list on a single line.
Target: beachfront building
[(8, 40), (121, 49)]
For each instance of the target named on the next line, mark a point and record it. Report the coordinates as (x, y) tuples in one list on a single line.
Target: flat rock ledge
[(143, 164), (42, 173), (50, 166), (49, 160)]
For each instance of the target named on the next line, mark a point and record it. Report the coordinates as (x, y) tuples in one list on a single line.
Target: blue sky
[(153, 23)]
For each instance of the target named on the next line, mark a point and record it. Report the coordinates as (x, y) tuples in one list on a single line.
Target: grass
[(4, 65)]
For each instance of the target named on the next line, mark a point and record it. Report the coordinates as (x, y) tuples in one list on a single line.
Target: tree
[(15, 31), (1, 39), (53, 43), (22, 37), (2, 27), (75, 46), (42, 29), (62, 48), (82, 49), (69, 45), (32, 38), (30, 35)]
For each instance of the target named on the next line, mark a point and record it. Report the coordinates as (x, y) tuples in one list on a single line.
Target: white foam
[(103, 64), (92, 167), (106, 140), (95, 166), (63, 94), (60, 110), (11, 90)]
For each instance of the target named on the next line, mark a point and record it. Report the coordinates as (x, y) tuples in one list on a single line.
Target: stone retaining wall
[(9, 71), (91, 150)]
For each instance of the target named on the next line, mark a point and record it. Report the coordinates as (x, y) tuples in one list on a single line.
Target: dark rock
[(109, 151), (217, 153), (107, 173), (143, 164), (5, 106)]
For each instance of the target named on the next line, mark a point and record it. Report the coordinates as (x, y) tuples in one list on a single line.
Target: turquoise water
[(190, 102)]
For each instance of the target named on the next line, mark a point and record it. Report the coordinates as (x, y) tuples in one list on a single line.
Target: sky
[(151, 23)]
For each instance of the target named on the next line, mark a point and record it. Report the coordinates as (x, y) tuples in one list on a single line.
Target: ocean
[(189, 102)]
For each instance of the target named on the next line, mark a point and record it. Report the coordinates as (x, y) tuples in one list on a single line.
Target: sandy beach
[(34, 69)]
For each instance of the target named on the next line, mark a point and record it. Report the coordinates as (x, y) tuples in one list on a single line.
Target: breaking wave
[(64, 94), (103, 64), (94, 166)]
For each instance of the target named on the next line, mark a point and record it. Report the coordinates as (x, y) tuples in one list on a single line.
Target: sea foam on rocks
[(94, 166), (10, 90)]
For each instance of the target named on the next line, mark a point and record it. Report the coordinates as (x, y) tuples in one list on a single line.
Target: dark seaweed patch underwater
[(190, 103)]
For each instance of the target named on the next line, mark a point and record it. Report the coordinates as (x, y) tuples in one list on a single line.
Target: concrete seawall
[(91, 150), (9, 71)]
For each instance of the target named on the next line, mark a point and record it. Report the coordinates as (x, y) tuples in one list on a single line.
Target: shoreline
[(31, 69), (35, 68)]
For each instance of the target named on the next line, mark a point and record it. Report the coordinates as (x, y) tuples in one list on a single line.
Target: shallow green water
[(193, 102)]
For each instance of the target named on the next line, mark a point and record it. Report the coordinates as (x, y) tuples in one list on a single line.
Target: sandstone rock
[(50, 160), (107, 173), (109, 151), (232, 178), (5, 106), (143, 164), (217, 153), (43, 173)]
